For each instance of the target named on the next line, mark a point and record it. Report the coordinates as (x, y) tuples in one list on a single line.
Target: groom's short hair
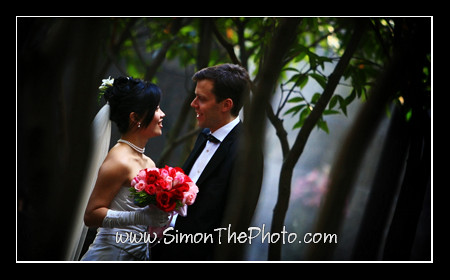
[(230, 81)]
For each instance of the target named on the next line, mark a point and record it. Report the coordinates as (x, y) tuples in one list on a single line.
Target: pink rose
[(179, 178), (142, 175), (139, 186), (168, 181), (163, 172), (189, 198), (134, 181), (193, 187)]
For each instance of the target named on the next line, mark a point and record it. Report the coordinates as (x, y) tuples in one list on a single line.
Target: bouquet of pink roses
[(167, 188)]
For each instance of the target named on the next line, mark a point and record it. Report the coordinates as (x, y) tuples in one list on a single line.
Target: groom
[(219, 95)]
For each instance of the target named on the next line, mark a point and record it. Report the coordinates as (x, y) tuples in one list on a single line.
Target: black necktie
[(211, 138)]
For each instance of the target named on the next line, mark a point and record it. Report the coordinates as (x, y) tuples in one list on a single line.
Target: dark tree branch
[(284, 188), (204, 49), (279, 128), (160, 57), (228, 46)]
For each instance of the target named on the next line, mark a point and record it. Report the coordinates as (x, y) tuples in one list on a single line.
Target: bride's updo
[(132, 95)]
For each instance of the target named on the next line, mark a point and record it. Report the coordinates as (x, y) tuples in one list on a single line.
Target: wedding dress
[(108, 247)]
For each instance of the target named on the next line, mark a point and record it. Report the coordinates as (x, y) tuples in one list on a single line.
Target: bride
[(134, 106)]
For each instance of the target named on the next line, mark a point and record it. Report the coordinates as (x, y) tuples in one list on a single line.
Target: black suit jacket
[(206, 213)]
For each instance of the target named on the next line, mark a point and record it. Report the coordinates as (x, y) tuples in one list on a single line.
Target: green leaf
[(300, 57), (315, 98), (343, 103), (323, 125), (290, 69), (322, 60), (295, 110), (321, 80), (312, 60), (303, 115), (333, 102), (302, 81), (296, 100), (408, 115), (351, 97), (294, 78)]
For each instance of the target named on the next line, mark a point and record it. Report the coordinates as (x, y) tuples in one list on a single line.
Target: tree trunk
[(284, 187), (245, 192), (383, 190), (58, 76)]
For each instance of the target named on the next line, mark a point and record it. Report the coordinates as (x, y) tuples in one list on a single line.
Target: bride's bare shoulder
[(117, 159), (121, 157), (148, 162)]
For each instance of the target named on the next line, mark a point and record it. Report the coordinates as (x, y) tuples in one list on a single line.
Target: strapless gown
[(105, 246)]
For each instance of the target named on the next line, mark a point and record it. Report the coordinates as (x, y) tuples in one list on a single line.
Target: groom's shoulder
[(236, 132)]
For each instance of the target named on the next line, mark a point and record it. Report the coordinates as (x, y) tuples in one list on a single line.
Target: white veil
[(101, 132)]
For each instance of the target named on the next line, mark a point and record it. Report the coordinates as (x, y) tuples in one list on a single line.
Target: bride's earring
[(139, 125)]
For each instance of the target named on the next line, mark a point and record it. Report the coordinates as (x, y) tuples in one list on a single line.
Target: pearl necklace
[(134, 147)]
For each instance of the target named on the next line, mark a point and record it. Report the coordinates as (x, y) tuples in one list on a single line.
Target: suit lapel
[(196, 151), (220, 154)]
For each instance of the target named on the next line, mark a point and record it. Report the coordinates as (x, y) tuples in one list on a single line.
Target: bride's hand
[(155, 217)]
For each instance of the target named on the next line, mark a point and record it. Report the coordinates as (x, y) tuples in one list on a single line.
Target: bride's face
[(154, 128)]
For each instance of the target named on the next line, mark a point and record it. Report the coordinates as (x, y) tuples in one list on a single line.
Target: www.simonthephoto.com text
[(226, 235)]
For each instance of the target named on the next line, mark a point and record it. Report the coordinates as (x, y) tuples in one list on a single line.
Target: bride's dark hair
[(132, 95)]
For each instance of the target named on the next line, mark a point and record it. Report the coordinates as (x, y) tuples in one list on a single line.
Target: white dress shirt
[(210, 149)]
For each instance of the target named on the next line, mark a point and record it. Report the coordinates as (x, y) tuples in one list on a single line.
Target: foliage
[(320, 42), (325, 46)]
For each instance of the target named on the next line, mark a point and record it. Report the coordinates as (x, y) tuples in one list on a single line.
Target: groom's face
[(206, 106)]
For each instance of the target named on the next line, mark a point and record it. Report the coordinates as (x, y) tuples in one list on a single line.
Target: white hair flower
[(106, 83)]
